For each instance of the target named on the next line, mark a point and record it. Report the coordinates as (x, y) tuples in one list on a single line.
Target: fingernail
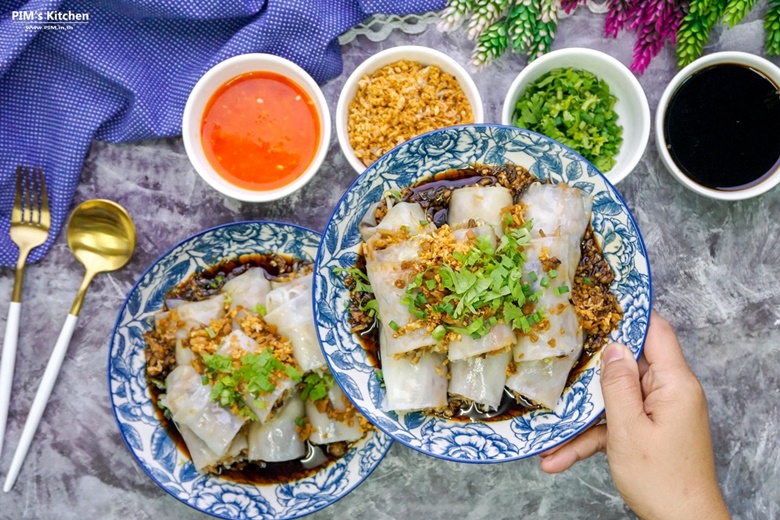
[(613, 352)]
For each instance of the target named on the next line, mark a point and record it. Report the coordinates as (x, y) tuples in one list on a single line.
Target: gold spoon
[(102, 237)]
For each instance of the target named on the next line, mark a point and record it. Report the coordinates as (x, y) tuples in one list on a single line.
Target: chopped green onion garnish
[(552, 273), (587, 281), (532, 275), (371, 307), (439, 332), (393, 325), (545, 281), (576, 108), (524, 326), (260, 309), (210, 332), (562, 289), (300, 421)]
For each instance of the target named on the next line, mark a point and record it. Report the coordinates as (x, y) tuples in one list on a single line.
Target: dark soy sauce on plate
[(722, 127)]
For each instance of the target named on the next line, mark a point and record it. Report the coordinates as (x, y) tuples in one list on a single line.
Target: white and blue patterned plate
[(135, 414), (460, 147)]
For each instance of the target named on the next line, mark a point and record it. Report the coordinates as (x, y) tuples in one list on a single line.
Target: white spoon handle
[(7, 364), (41, 399)]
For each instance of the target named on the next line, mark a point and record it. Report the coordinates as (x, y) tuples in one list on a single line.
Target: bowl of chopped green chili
[(586, 100)]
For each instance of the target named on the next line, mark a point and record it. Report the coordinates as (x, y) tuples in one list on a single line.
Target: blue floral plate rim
[(637, 351)]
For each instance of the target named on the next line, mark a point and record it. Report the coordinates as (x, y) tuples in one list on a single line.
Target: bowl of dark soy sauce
[(718, 126)]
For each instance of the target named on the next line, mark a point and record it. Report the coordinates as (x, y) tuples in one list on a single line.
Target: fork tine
[(26, 202), (45, 215), (36, 213), (16, 213)]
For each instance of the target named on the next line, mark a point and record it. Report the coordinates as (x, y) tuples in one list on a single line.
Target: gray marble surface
[(716, 277)]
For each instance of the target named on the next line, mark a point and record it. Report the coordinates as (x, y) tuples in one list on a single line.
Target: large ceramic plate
[(135, 415), (458, 147)]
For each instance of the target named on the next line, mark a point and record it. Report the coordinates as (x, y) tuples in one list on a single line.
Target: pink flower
[(656, 22), (620, 16)]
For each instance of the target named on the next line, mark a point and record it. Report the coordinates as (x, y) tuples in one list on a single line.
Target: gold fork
[(30, 223)]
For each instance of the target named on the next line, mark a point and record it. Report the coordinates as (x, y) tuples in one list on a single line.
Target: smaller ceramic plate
[(135, 414)]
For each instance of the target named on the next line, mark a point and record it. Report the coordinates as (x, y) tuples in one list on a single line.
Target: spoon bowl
[(101, 235)]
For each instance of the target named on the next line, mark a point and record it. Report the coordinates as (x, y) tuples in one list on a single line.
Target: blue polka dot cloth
[(124, 73)]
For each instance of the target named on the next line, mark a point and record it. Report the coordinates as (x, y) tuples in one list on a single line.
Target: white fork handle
[(41, 399), (7, 364)]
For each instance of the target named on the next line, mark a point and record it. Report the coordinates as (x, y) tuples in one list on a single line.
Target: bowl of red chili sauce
[(256, 127)]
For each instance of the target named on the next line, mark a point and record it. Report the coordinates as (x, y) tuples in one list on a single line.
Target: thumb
[(621, 388)]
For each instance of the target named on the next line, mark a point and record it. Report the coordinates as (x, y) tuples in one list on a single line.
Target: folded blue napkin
[(74, 71)]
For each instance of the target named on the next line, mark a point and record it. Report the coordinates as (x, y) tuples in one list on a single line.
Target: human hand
[(657, 435)]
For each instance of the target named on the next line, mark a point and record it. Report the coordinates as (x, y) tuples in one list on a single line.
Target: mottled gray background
[(715, 274)]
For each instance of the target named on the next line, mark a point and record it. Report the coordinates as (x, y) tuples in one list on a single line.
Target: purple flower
[(656, 22), (620, 16), (570, 5)]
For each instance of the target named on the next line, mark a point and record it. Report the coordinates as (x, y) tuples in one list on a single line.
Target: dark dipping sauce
[(202, 285), (722, 127), (434, 195)]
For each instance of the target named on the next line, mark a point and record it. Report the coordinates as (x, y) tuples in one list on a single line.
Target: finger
[(580, 448), (661, 345), (643, 365), (621, 388)]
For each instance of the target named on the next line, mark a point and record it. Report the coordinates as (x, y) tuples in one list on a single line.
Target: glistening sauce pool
[(722, 127)]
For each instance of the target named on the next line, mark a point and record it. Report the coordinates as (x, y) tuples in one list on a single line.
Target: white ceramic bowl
[(631, 105), (424, 55), (218, 76), (768, 69)]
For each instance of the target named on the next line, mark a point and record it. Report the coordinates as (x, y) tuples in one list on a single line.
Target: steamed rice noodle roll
[(190, 404), (202, 311), (480, 203), (560, 334), (480, 378), (467, 234), (189, 315), (557, 210), (329, 429), (499, 336), (204, 459), (167, 321), (385, 266), (413, 386), (542, 381), (399, 215), (248, 289), (237, 344), (277, 440), (289, 309)]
